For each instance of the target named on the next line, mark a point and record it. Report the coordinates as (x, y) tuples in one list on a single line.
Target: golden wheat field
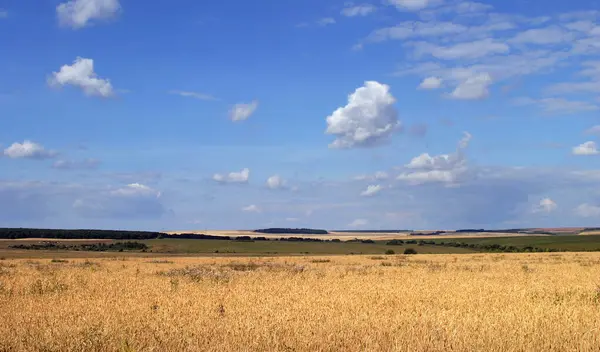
[(483, 302)]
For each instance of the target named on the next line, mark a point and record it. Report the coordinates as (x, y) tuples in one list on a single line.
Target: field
[(187, 247), (173, 247), (561, 242), (362, 235), (466, 302)]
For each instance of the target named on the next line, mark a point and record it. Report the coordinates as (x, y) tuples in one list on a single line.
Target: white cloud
[(475, 87), (81, 74), (326, 21), (233, 177), (136, 190), (196, 95), (415, 29), (358, 10), (413, 5), (546, 205), (431, 83), (252, 209), (368, 119), (586, 210), (242, 111), (132, 201), (558, 105), (79, 13), (358, 223), (371, 190), (446, 168), (379, 175), (75, 165), (574, 87), (593, 130), (469, 50), (28, 150), (587, 148), (276, 182), (543, 36)]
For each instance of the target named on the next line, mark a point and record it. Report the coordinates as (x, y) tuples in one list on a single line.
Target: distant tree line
[(435, 233), (94, 247), (293, 231), (485, 247), (16, 233)]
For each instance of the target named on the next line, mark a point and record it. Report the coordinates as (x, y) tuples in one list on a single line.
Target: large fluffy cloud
[(276, 182), (80, 13), (28, 150), (368, 119), (81, 74), (587, 148), (446, 168)]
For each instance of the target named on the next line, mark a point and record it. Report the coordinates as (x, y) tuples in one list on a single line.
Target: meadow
[(446, 302)]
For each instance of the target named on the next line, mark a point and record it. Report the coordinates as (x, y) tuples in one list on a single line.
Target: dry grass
[(481, 302)]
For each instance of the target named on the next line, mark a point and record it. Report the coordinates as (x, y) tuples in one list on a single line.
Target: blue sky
[(369, 115)]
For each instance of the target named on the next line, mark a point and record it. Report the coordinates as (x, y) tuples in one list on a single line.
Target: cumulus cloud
[(80, 13), (586, 210), (358, 10), (369, 118), (446, 168), (28, 150), (233, 177), (587, 148), (252, 209), (276, 182), (371, 190), (81, 74), (546, 205), (86, 164), (243, 111), (431, 83), (473, 88)]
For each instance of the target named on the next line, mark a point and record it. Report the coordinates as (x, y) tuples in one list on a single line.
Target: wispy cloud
[(195, 95), (358, 10)]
